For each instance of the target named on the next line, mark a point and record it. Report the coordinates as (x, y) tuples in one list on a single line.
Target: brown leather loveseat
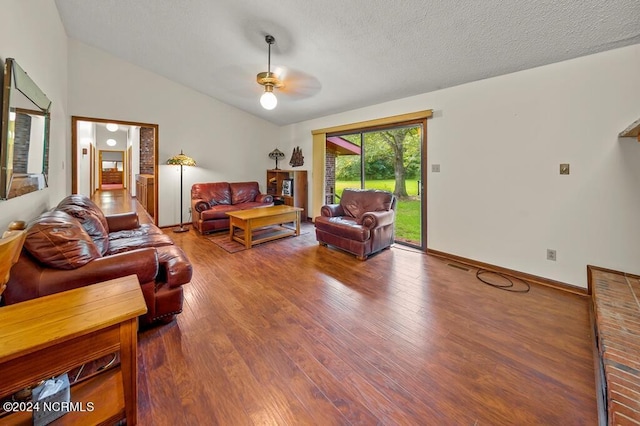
[(362, 224), (75, 244), (211, 201)]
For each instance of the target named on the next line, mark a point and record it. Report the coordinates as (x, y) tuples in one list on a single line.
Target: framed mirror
[(24, 137)]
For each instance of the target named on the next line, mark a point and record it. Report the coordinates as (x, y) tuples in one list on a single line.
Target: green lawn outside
[(407, 211)]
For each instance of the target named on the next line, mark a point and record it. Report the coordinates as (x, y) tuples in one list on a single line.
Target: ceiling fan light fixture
[(269, 80), (268, 100)]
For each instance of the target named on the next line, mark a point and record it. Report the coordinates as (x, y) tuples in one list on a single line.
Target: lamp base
[(181, 229)]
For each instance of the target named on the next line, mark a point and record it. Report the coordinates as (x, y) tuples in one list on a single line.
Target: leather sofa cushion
[(141, 231), (59, 241), (252, 205), (85, 203), (135, 242), (214, 193), (91, 223), (243, 192), (218, 212), (357, 202), (344, 227)]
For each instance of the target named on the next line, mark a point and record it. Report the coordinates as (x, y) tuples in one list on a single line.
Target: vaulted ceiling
[(337, 55)]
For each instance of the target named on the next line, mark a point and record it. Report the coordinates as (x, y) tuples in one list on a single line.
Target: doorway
[(111, 170), (94, 142)]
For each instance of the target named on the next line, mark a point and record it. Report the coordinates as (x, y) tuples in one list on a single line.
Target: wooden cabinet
[(145, 192), (296, 183), (111, 177), (48, 336)]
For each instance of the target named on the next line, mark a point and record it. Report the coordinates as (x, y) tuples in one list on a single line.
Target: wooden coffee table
[(251, 219)]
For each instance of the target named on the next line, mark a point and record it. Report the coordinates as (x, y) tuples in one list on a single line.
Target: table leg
[(129, 368), (297, 223), (231, 226), (248, 234)]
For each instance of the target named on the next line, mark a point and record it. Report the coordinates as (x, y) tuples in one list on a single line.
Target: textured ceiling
[(339, 55)]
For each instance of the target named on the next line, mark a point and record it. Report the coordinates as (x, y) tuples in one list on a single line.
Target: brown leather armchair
[(362, 224)]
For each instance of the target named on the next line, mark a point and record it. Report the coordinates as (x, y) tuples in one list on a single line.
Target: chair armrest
[(377, 219), (332, 210), (122, 221), (264, 198)]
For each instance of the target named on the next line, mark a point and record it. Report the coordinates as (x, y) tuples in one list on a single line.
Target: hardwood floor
[(293, 333)]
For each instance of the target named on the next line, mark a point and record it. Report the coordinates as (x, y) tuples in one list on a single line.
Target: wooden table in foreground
[(48, 336), (260, 217)]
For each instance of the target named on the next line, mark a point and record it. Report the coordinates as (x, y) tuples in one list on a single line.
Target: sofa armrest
[(29, 279), (377, 219), (264, 198), (174, 266), (332, 210), (122, 221), (200, 205)]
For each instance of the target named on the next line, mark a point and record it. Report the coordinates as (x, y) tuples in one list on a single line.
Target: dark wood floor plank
[(293, 333)]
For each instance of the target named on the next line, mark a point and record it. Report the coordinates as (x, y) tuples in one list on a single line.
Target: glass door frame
[(422, 126)]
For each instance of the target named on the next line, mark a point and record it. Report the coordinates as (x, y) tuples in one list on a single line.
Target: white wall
[(227, 143), (86, 132), (499, 197), (32, 34)]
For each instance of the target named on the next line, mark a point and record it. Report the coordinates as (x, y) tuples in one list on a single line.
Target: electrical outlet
[(435, 168), (551, 255)]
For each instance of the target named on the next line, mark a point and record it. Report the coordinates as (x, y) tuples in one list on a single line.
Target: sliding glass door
[(389, 159)]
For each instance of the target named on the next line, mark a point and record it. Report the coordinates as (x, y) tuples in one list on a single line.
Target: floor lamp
[(181, 160)]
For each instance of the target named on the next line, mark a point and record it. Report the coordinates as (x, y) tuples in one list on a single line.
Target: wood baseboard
[(521, 275)]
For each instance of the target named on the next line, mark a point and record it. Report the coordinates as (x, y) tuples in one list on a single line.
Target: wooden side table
[(48, 336)]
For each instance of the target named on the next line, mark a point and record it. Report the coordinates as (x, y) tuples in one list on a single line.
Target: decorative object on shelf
[(181, 160), (287, 187), (269, 80), (276, 154), (297, 158)]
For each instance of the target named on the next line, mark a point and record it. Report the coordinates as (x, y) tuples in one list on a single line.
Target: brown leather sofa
[(362, 224), (75, 244), (211, 201)]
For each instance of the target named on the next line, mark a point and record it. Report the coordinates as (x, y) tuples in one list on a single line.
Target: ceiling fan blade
[(299, 85)]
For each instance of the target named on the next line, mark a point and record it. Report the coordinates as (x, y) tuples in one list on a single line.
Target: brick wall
[(21, 145), (330, 176), (147, 151), (617, 313)]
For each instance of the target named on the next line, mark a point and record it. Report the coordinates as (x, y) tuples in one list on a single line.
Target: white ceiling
[(345, 54)]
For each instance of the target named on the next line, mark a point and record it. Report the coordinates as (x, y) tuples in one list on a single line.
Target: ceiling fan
[(269, 80)]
